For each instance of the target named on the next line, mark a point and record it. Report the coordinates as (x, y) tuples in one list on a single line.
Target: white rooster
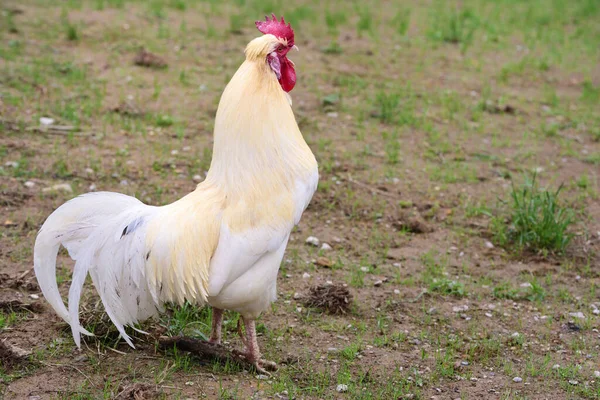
[(220, 245)]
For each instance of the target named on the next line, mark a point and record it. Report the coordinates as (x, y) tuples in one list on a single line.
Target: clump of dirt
[(11, 355), (10, 301), (128, 108), (334, 299), (412, 221), (12, 199), (146, 59), (138, 391)]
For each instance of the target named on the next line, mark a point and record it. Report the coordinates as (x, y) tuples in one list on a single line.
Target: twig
[(203, 349), (69, 366), (372, 189)]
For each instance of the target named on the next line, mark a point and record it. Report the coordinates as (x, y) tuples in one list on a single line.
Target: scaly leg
[(217, 323), (251, 351)]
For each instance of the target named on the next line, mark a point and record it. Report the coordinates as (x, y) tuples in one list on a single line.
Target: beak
[(295, 48)]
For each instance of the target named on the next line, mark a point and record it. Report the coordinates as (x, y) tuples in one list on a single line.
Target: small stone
[(556, 366), (189, 383), (332, 114), (124, 182), (332, 350), (197, 178), (525, 285), (29, 184), (34, 296), (61, 187), (460, 308), (378, 283), (46, 121), (325, 246), (489, 244), (305, 275), (262, 377), (396, 291), (324, 262), (577, 277), (489, 315), (313, 241), (465, 363), (515, 335), (517, 379), (578, 314), (573, 382), (174, 152), (341, 388), (597, 374), (92, 187), (364, 269), (12, 164), (297, 296)]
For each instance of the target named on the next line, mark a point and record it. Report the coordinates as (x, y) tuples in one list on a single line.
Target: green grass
[(537, 221)]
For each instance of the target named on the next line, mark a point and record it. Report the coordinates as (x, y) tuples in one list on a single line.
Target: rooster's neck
[(257, 143)]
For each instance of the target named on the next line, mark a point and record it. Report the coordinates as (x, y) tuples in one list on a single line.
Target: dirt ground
[(423, 117)]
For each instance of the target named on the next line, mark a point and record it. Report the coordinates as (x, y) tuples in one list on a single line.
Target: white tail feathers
[(105, 234)]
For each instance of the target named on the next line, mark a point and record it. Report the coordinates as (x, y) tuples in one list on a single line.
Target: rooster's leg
[(251, 351), (217, 322)]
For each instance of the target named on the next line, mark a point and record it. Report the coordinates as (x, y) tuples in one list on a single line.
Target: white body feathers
[(221, 244)]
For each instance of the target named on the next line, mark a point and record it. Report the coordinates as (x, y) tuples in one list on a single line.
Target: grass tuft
[(538, 221)]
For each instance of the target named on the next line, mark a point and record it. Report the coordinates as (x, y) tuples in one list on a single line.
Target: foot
[(261, 365), (251, 352)]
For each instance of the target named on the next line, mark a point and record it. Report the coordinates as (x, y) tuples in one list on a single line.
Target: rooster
[(221, 244)]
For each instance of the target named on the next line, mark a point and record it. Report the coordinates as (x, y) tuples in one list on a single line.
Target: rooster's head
[(281, 40)]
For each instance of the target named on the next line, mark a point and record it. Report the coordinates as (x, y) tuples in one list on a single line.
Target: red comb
[(276, 28)]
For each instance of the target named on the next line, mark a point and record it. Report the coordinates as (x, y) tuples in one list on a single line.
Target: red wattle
[(288, 75)]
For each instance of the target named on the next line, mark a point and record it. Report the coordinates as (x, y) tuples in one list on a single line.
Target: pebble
[(489, 244), (332, 114), (396, 291), (578, 314), (297, 296), (573, 382), (174, 152), (46, 121), (325, 246), (92, 187), (378, 283), (517, 379), (61, 187), (89, 171), (364, 269), (332, 350), (313, 241), (556, 366), (262, 377), (34, 296), (596, 311), (305, 275), (460, 308), (197, 178), (29, 184), (489, 315), (526, 284), (12, 164), (341, 388), (597, 374), (397, 265)]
